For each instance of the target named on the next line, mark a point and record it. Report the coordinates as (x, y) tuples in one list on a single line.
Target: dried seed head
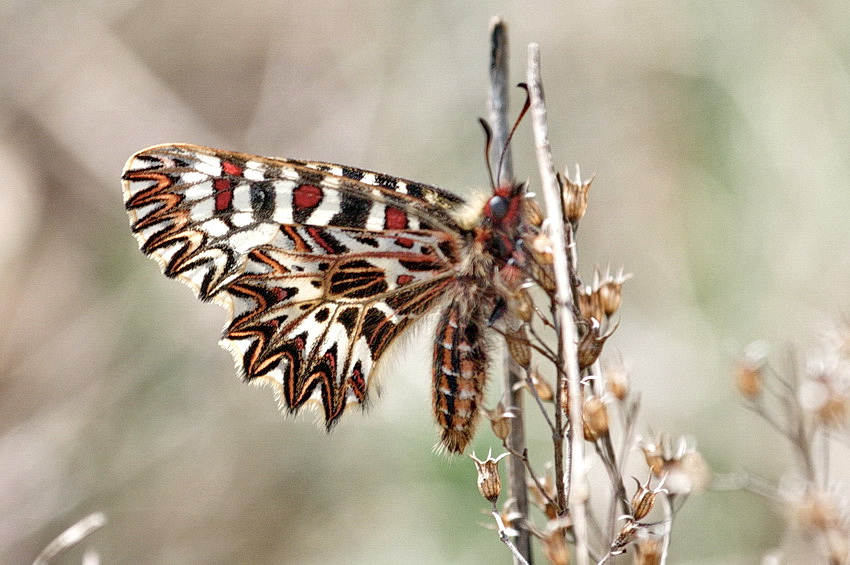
[(595, 417), (500, 420), (489, 483), (575, 196), (518, 347)]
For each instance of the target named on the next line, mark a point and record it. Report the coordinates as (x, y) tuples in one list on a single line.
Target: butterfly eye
[(498, 207)]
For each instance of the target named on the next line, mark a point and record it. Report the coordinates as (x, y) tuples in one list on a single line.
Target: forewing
[(321, 266)]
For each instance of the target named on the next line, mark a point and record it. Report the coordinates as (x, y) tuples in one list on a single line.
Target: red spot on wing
[(223, 194), (306, 196), (394, 218), (316, 234), (404, 279), (232, 169)]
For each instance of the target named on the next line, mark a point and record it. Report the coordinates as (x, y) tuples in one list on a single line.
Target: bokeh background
[(719, 133)]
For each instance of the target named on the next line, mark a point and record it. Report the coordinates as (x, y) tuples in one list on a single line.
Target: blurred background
[(719, 134)]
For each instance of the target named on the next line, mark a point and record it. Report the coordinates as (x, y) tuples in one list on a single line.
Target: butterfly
[(322, 267)]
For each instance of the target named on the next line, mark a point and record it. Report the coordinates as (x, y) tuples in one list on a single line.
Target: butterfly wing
[(320, 266)]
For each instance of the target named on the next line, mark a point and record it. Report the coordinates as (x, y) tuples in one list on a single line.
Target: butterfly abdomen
[(460, 368)]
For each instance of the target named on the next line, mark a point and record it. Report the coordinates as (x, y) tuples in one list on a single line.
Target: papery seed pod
[(521, 305), (489, 483), (610, 296), (541, 387), (627, 535), (589, 306), (532, 213), (575, 197), (649, 548), (541, 249), (500, 420), (518, 347), (555, 547), (595, 418), (644, 498), (544, 498), (653, 454), (544, 276), (590, 345)]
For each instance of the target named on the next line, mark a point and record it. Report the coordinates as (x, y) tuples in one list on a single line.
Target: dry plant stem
[(567, 338), (71, 537), (503, 535), (498, 118)]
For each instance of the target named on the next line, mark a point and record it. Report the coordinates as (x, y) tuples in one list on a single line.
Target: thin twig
[(71, 537), (498, 115), (503, 535), (553, 200)]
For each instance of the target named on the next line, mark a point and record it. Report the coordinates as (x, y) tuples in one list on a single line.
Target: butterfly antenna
[(488, 134), (522, 112)]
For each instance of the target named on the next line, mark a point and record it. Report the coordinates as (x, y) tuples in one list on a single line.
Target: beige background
[(719, 133)]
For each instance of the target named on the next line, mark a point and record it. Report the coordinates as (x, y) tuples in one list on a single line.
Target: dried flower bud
[(575, 196), (489, 483), (518, 347), (500, 420), (595, 417)]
